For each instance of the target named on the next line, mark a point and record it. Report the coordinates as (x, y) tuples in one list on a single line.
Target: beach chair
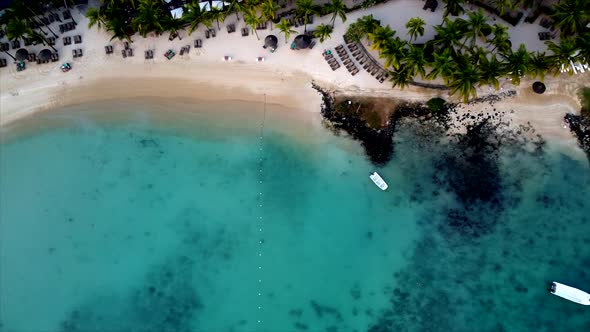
[(129, 52), (245, 32), (54, 57), (347, 62), (4, 47), (15, 44), (207, 34), (181, 51), (77, 39), (51, 41), (3, 63), (231, 28), (80, 53), (126, 45), (75, 53), (311, 45), (124, 53), (198, 43), (212, 33), (354, 71), (147, 54), (32, 57)]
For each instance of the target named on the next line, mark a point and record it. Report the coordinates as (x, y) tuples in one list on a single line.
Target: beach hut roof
[(271, 41), (177, 12), (205, 6), (22, 54), (539, 87), (302, 41), (45, 54)]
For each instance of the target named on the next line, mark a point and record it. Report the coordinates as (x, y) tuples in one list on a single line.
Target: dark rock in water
[(320, 310), (300, 326), (580, 126), (296, 312)]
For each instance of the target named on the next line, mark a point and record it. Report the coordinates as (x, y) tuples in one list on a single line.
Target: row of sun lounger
[(198, 43), (546, 35), (108, 49), (4, 47), (32, 57), (332, 62), (210, 33), (369, 65), (261, 26), (67, 27), (77, 53), (185, 49), (3, 63), (149, 54), (346, 60), (127, 52), (231, 28)]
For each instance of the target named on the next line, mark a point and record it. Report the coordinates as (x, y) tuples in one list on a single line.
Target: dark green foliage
[(437, 105)]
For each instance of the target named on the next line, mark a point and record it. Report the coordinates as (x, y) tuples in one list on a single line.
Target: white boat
[(379, 182), (570, 293)]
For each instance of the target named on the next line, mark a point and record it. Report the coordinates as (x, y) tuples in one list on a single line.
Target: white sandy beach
[(285, 77)]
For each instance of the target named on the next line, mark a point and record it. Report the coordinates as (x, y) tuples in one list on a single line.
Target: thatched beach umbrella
[(302, 41), (22, 54), (539, 87), (271, 41), (45, 55)]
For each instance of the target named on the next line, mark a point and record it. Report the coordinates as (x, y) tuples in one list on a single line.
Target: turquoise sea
[(169, 217)]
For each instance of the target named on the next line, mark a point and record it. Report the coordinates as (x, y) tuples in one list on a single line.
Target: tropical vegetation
[(468, 52)]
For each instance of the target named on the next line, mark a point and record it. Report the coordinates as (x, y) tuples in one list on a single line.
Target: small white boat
[(379, 182), (570, 293)]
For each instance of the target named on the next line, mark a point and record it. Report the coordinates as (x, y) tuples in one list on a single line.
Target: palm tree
[(393, 51), (464, 80), (118, 28), (192, 15), (453, 7), (415, 27), (338, 9), (380, 36), (477, 25), (172, 25), (502, 5), (491, 69), (285, 28), (17, 28), (268, 10), (323, 32), (501, 39), (148, 17), (305, 9), (571, 16), (401, 77), (415, 60), (442, 65), (236, 6), (450, 33), (564, 52), (540, 65), (216, 14), (96, 16), (518, 63), (252, 20), (583, 43), (368, 24)]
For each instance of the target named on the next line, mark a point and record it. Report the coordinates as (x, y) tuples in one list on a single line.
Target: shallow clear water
[(150, 218)]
